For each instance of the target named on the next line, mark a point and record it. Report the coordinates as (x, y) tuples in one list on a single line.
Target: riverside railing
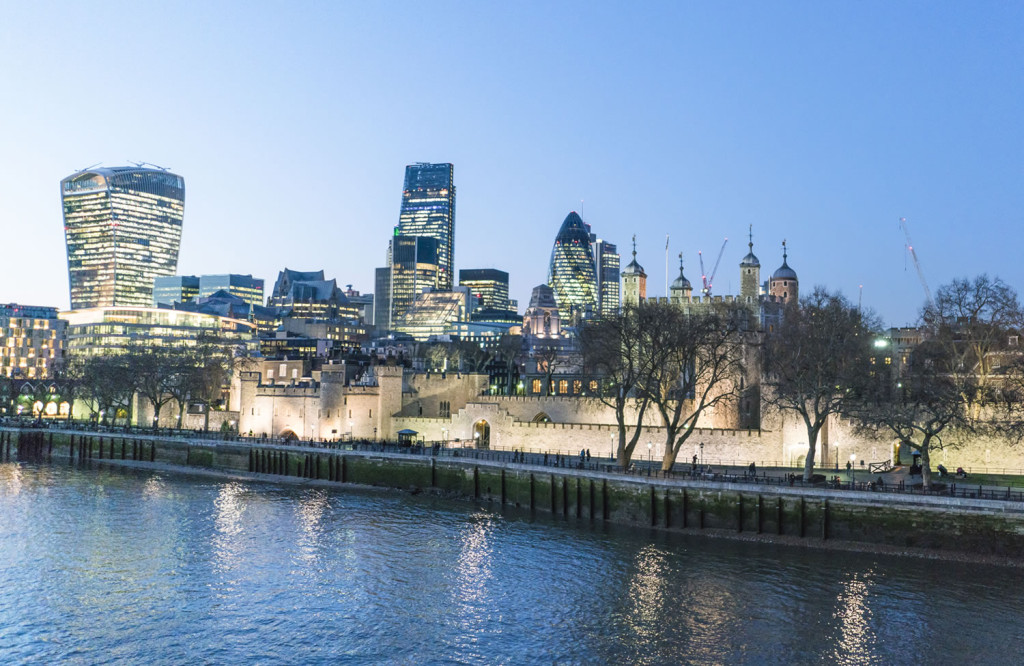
[(650, 468)]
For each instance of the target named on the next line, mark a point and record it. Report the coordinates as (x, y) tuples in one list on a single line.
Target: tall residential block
[(428, 209), (122, 227)]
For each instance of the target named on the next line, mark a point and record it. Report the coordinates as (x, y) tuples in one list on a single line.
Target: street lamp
[(650, 460), (612, 445), (853, 457), (702, 454)]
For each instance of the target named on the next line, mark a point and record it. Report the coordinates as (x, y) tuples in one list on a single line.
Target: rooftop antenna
[(93, 166)]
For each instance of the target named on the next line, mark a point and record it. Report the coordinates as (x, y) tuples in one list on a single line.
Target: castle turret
[(783, 283), (634, 281), (750, 272), (681, 287)]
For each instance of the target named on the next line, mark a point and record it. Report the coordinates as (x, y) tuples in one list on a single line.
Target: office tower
[(171, 289), (246, 287), (428, 209), (122, 226), (488, 285), (415, 264), (571, 275), (606, 263)]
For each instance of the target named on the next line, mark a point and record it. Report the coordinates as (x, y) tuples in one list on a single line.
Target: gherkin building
[(571, 275)]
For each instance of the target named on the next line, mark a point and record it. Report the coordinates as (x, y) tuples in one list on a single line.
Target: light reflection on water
[(105, 565)]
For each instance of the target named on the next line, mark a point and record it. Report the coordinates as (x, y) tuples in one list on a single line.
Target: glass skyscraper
[(572, 275), (428, 209), (122, 227), (606, 261)]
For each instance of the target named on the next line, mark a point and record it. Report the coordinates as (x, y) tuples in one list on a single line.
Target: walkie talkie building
[(122, 227)]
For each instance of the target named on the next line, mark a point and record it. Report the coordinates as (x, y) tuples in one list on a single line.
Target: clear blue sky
[(821, 123)]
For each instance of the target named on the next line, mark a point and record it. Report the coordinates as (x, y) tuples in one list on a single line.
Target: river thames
[(113, 566)]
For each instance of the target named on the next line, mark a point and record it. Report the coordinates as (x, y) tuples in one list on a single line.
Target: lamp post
[(702, 454), (612, 445), (853, 457), (650, 460)]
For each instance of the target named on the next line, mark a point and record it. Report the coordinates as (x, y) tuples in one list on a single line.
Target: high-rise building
[(428, 209), (415, 265), (572, 276), (171, 289), (488, 285), (122, 226), (606, 263)]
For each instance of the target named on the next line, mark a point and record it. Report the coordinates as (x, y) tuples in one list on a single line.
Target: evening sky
[(817, 122)]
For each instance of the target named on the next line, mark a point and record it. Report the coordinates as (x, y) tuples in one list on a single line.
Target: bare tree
[(816, 361), (509, 349), (695, 370), (923, 407), (615, 352), (155, 370), (974, 321)]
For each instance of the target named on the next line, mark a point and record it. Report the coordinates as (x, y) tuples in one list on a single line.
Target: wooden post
[(824, 521)]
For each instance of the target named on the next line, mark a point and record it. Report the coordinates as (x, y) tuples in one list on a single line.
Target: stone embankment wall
[(952, 526)]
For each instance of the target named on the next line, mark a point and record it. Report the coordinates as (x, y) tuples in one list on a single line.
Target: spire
[(750, 260), (783, 251), (681, 283), (633, 268)]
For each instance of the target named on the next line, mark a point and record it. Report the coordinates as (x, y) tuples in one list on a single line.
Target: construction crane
[(917, 264), (708, 280)]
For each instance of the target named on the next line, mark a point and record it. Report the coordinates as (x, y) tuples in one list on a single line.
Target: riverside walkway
[(895, 482)]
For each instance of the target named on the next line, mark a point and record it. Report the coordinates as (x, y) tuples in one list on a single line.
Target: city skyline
[(821, 126)]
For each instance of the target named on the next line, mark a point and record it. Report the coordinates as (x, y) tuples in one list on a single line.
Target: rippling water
[(109, 566)]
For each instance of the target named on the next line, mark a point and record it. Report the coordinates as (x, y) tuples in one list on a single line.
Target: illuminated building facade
[(572, 275), (606, 262), (488, 285), (246, 287), (114, 330), (171, 289), (414, 267), (428, 209), (307, 294), (122, 227), (31, 341), (433, 312)]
